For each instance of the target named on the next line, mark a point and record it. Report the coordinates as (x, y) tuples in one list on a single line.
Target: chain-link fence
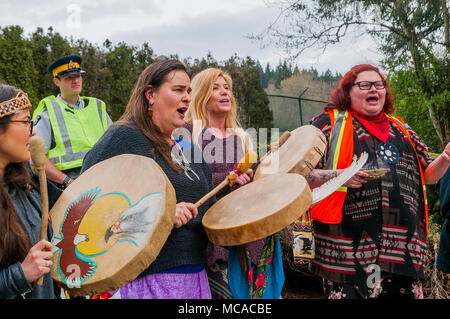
[(290, 112)]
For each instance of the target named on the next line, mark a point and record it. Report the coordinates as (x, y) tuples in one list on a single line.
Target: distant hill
[(307, 83)]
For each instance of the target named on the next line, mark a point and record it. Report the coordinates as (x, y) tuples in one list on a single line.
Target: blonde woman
[(214, 127), (212, 121)]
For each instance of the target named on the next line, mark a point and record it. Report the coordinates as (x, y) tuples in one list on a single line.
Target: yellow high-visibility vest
[(74, 131)]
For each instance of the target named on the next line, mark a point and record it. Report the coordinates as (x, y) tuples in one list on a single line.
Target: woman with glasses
[(370, 235), (23, 256)]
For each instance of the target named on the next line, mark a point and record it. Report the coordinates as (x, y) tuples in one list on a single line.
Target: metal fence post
[(299, 100), (300, 106), (300, 110)]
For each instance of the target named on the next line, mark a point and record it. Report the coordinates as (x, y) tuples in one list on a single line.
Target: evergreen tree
[(143, 57), (112, 70), (251, 98), (16, 62), (96, 80), (120, 77), (47, 47)]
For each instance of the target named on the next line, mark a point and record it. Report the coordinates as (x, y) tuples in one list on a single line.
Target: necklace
[(179, 158)]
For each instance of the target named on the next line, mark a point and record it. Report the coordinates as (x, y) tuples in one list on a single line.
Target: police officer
[(69, 124)]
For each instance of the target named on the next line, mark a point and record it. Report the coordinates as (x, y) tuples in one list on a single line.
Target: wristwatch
[(65, 182)]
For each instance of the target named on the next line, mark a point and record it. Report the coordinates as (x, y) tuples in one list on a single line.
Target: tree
[(112, 71), (412, 105), (122, 77), (16, 62), (46, 48), (252, 100), (268, 74), (144, 57), (262, 75), (412, 35), (96, 80), (204, 63)]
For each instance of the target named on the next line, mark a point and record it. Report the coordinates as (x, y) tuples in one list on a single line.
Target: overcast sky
[(189, 28)]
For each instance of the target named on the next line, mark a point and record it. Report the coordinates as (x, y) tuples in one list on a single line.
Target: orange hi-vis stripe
[(340, 155)]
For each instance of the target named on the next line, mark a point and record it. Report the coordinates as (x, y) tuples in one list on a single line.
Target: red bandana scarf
[(377, 125)]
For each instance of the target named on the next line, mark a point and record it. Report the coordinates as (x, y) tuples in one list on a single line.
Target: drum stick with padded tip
[(249, 159), (276, 145), (37, 150)]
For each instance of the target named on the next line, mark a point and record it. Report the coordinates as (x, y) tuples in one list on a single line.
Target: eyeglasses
[(28, 122), (366, 85)]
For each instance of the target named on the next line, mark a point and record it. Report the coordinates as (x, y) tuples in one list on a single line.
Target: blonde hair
[(202, 86)]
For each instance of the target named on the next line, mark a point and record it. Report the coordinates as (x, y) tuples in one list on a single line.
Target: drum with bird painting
[(110, 224)]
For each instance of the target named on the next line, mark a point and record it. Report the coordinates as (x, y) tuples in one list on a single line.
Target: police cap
[(66, 65)]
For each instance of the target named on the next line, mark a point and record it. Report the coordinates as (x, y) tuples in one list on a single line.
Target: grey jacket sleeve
[(43, 129), (13, 281)]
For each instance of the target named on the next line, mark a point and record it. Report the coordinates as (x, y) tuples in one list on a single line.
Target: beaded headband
[(18, 103)]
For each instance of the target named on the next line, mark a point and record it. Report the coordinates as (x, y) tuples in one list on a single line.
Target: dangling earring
[(150, 111), (150, 108)]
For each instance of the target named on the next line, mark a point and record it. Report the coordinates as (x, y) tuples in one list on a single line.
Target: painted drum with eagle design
[(110, 224)]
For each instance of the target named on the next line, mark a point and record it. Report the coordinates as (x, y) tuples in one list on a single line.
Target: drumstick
[(37, 151), (273, 146), (244, 165)]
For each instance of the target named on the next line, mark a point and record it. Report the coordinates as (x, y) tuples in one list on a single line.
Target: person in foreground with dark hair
[(24, 258), (156, 108), (370, 235)]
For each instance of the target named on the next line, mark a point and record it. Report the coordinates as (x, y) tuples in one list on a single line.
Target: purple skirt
[(166, 286)]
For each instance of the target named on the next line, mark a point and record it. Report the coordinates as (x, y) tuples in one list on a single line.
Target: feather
[(76, 211), (333, 184), (74, 269)]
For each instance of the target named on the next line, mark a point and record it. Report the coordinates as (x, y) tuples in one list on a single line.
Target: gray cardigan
[(185, 245)]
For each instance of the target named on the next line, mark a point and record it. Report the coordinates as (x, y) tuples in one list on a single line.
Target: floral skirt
[(392, 287)]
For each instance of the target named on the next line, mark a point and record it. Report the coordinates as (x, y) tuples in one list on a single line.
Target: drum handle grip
[(243, 166), (276, 145), (37, 152), (216, 189)]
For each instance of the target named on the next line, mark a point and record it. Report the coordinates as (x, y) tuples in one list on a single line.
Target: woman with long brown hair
[(156, 108), (370, 235), (23, 256)]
